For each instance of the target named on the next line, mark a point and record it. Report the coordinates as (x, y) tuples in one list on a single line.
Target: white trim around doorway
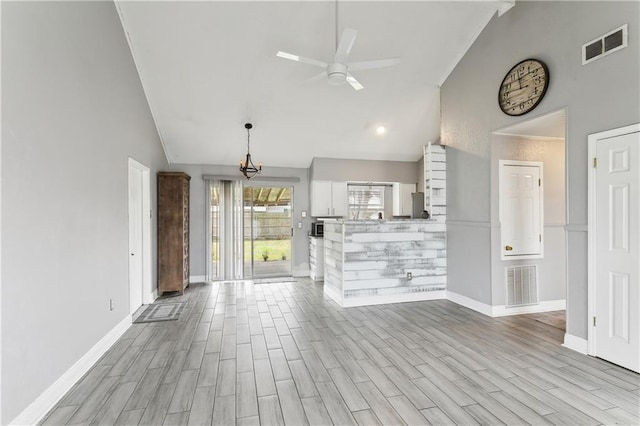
[(149, 294)]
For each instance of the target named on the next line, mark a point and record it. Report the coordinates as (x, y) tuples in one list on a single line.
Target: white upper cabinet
[(339, 198), (402, 205), (320, 198), (328, 198)]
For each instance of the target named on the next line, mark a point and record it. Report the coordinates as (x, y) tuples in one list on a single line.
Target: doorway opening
[(267, 232), (539, 141)]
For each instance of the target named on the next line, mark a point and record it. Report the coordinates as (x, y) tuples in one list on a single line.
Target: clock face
[(523, 87)]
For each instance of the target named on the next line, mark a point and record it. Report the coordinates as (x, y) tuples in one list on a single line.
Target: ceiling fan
[(339, 71)]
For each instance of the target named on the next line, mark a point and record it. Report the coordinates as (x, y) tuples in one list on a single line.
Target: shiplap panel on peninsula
[(373, 258), (316, 258), (333, 259)]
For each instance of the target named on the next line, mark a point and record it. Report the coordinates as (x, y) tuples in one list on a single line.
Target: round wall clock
[(523, 87)]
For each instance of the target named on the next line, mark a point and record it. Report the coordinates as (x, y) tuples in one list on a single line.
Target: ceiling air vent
[(604, 45)]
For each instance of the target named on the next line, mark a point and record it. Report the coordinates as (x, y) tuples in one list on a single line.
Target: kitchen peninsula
[(384, 261)]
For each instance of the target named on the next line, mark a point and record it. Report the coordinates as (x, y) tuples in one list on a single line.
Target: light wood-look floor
[(283, 354)]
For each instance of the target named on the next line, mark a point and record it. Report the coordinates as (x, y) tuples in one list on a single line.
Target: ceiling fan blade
[(367, 65), (317, 77), (354, 83), (345, 45), (302, 59)]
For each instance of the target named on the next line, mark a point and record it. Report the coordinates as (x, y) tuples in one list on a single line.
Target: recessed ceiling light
[(381, 130)]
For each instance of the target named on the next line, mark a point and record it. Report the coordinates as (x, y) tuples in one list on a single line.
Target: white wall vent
[(522, 285), (605, 45)]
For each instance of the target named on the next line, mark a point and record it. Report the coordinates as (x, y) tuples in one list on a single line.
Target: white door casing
[(614, 246), (140, 291), (521, 209)]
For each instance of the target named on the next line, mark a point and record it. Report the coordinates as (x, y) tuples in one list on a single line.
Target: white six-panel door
[(615, 247), (521, 215)]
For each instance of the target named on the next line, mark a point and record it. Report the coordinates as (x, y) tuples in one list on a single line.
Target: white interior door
[(521, 208), (136, 251), (617, 253)]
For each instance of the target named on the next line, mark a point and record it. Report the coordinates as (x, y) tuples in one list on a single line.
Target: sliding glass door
[(267, 232), (249, 230)]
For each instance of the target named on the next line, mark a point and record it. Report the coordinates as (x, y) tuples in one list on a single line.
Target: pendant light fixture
[(247, 167)]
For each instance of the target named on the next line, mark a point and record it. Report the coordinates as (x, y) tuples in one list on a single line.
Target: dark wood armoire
[(173, 232)]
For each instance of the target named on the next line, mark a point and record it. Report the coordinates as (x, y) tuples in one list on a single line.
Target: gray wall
[(73, 112), (198, 211), (599, 96), (552, 268), (363, 170)]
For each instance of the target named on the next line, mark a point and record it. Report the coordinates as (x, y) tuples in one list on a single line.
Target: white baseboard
[(50, 397), (197, 279), (150, 298), (548, 306), (301, 272), (577, 344), (502, 310), (470, 303), (348, 302), (333, 294)]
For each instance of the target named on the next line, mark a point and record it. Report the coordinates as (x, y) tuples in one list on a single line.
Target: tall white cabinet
[(435, 181)]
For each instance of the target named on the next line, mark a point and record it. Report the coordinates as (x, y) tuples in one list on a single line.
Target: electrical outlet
[(111, 304), (299, 225), (409, 276)]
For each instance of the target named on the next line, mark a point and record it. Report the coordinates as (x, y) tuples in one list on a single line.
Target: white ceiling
[(208, 67)]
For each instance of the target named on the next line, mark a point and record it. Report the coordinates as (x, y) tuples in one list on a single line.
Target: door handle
[(508, 248)]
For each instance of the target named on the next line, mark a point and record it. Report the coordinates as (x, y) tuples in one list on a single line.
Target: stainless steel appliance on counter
[(417, 201), (317, 229)]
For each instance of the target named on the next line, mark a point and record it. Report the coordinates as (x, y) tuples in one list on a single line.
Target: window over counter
[(366, 202)]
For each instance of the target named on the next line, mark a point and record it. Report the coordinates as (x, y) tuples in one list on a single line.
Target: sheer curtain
[(237, 225), (225, 250)]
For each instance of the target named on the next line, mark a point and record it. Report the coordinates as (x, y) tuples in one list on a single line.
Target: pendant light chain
[(248, 139), (247, 167)]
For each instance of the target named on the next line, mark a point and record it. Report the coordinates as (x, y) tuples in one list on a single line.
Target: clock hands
[(532, 78)]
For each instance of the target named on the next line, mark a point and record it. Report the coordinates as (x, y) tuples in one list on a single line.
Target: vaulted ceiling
[(208, 67)]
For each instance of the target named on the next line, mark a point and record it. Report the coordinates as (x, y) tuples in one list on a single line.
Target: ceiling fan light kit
[(337, 74), (247, 167)]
